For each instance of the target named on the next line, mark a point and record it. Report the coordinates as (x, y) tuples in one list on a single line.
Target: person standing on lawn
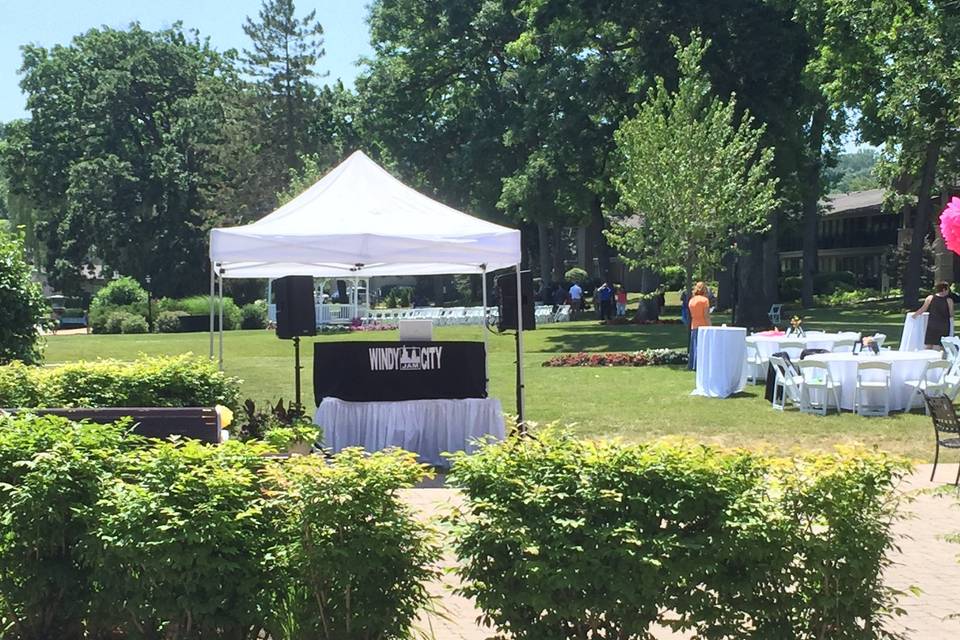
[(699, 307), (940, 306), (605, 294), (576, 297), (621, 297)]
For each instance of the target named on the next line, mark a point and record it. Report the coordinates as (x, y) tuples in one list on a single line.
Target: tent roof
[(359, 220)]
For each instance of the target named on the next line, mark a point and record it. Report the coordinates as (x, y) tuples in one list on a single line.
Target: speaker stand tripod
[(296, 373)]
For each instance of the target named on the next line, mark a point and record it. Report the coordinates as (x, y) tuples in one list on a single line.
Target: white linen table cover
[(721, 369), (769, 345), (425, 427), (914, 332), (904, 365)]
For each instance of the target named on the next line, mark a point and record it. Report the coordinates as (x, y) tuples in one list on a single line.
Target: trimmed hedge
[(200, 306), (108, 536), (156, 381), (559, 536)]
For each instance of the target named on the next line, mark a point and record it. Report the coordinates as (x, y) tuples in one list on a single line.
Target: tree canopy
[(692, 174)]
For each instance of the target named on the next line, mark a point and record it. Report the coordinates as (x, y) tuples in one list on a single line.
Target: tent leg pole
[(221, 318), (521, 426), (483, 327), (212, 276)]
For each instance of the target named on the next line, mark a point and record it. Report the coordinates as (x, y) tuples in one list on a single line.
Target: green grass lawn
[(634, 403)]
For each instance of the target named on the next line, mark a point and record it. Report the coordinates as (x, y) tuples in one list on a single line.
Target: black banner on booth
[(392, 371)]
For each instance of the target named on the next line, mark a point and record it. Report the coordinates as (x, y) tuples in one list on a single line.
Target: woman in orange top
[(699, 306)]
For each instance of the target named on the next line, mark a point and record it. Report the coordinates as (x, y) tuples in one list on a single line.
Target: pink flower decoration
[(950, 225)]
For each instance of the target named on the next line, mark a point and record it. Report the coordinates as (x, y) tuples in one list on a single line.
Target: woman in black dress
[(940, 306)]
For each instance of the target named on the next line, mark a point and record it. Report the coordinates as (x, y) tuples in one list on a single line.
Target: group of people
[(608, 299)]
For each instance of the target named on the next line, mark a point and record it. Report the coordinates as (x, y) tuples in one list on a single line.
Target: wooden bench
[(198, 423)]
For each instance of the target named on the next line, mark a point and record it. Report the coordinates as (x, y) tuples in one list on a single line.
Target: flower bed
[(645, 358), (351, 328)]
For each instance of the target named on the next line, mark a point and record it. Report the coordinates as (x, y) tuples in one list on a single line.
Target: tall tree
[(693, 174), (898, 63), (117, 160), (284, 54)]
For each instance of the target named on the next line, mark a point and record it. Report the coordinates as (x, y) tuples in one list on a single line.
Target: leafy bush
[(169, 321), (846, 298), (159, 381), (134, 324), (673, 278), (254, 315), (559, 535), (22, 307), (110, 319), (179, 546), (51, 472), (351, 559), (576, 274), (823, 284), (121, 292), (200, 306), (398, 297)]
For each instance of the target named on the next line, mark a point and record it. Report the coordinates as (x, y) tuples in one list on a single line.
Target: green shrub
[(169, 321), (846, 298), (51, 472), (200, 306), (121, 292), (398, 297), (22, 306), (351, 559), (158, 381), (559, 535), (576, 274), (110, 319), (179, 546), (673, 278), (823, 284), (134, 324), (254, 315)]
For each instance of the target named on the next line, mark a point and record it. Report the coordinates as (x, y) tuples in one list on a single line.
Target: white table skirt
[(904, 366), (914, 332), (769, 345), (426, 427), (721, 369)]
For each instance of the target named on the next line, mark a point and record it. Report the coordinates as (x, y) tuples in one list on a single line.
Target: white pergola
[(358, 221)]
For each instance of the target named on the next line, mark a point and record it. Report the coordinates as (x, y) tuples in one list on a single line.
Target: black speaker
[(296, 315), (507, 301)]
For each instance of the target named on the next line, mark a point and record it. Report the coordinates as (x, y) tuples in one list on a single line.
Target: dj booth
[(426, 397)]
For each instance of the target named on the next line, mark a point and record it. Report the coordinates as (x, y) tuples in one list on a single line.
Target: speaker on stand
[(507, 301), (296, 317)]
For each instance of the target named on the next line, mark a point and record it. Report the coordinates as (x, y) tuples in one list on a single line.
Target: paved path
[(925, 561)]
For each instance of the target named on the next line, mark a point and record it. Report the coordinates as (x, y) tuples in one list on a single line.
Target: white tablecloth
[(721, 369), (905, 365), (769, 345), (426, 427), (914, 331)]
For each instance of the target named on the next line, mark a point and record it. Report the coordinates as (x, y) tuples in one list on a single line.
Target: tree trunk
[(752, 305), (811, 204), (921, 223), (771, 259), (725, 286), (558, 253), (543, 242), (597, 225)]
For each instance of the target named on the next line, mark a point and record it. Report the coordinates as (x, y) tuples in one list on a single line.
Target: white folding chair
[(933, 381), (951, 347), (871, 383), (793, 347), (774, 313), (756, 363), (879, 338), (843, 345), (786, 385), (816, 378)]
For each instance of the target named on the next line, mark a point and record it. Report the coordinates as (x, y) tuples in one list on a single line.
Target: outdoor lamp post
[(149, 305)]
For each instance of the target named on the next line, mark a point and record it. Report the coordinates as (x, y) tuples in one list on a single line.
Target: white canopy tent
[(358, 221)]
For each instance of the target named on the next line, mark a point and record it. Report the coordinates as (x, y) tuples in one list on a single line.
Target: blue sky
[(50, 22)]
